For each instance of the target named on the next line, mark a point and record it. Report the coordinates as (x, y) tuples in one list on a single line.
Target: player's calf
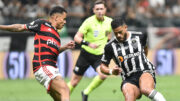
[(156, 96)]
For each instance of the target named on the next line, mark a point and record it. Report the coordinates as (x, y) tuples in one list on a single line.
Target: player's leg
[(96, 82), (79, 70), (51, 79), (75, 79), (77, 75), (130, 91), (147, 84), (59, 90)]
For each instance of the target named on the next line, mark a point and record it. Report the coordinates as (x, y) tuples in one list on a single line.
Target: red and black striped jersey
[(46, 43)]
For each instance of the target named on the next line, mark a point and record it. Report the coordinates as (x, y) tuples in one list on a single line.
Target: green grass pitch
[(31, 90)]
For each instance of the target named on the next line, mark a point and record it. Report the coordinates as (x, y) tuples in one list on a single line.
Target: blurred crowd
[(141, 13), (138, 13)]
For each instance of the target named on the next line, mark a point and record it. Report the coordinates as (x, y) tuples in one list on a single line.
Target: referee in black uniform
[(129, 51)]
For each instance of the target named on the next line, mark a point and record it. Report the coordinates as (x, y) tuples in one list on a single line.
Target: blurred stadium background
[(159, 19)]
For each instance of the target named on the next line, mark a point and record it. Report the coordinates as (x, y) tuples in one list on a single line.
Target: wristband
[(110, 71), (83, 42)]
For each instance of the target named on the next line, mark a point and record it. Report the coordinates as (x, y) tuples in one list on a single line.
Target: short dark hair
[(57, 9), (117, 22), (99, 2)]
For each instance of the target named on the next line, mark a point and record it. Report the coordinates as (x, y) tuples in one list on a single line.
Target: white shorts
[(45, 74)]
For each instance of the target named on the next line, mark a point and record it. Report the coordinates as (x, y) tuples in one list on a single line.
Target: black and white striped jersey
[(129, 55)]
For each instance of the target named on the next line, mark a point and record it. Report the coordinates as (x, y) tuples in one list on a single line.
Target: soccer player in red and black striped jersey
[(47, 46)]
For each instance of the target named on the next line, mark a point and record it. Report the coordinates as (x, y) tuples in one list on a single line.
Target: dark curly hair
[(118, 21), (57, 9)]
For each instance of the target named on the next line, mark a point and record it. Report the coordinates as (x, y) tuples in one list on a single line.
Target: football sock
[(156, 96), (71, 88), (94, 84)]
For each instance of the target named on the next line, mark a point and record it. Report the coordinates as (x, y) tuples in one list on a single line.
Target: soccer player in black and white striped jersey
[(129, 51)]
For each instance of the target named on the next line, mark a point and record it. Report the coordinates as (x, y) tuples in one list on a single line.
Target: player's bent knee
[(146, 91), (63, 91), (127, 90), (75, 83), (129, 95), (131, 92), (59, 85), (64, 87)]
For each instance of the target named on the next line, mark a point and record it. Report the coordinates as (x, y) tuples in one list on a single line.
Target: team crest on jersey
[(134, 43), (119, 49)]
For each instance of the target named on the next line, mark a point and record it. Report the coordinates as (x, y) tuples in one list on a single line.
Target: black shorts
[(134, 78), (85, 60)]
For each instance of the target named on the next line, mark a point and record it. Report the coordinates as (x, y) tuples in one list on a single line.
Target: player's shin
[(94, 84), (71, 88), (156, 96)]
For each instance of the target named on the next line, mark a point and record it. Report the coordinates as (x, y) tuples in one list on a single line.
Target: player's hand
[(116, 70), (93, 45), (70, 45)]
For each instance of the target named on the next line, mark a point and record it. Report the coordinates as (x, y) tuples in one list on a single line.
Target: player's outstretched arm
[(69, 45), (110, 71), (104, 69), (13, 27)]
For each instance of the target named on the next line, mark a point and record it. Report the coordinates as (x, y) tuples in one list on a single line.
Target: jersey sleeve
[(84, 27), (34, 26), (108, 54), (144, 39)]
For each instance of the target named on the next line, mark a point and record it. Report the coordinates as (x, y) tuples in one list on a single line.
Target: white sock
[(156, 96)]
